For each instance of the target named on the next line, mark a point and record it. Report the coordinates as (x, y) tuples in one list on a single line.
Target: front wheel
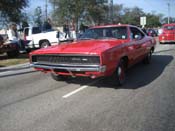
[(147, 59), (44, 44), (119, 74)]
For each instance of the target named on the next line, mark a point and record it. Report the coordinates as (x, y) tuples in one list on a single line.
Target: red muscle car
[(168, 33), (100, 51)]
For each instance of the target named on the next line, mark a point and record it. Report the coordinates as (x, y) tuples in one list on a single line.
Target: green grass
[(5, 61)]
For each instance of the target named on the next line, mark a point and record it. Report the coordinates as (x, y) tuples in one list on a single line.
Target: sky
[(158, 6)]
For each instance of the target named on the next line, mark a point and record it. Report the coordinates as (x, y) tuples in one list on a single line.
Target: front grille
[(65, 59)]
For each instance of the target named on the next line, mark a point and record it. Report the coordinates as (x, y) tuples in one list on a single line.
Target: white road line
[(75, 91), (79, 89)]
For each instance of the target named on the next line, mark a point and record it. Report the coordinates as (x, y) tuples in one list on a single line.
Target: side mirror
[(137, 37)]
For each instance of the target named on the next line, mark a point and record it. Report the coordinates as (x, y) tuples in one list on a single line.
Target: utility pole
[(46, 10), (54, 2), (168, 13), (112, 11)]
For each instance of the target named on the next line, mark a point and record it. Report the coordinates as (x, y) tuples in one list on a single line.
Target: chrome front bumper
[(93, 68)]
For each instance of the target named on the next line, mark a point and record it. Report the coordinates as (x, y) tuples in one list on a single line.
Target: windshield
[(104, 33)]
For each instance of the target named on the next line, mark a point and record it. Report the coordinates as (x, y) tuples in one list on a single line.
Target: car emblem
[(76, 59), (84, 59)]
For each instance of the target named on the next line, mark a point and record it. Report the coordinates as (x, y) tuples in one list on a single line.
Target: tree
[(97, 12), (11, 9), (118, 12), (23, 21), (132, 15), (37, 18), (153, 20), (78, 10), (165, 20), (101, 9), (66, 9)]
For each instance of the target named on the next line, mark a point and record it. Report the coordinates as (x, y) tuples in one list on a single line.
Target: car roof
[(171, 24), (114, 25)]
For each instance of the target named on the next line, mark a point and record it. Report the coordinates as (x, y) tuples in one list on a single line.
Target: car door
[(137, 38)]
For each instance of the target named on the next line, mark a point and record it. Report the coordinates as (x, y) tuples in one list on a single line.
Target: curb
[(19, 66)]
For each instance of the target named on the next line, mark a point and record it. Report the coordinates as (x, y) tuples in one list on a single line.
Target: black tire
[(58, 77), (44, 44), (13, 54), (147, 59), (119, 74)]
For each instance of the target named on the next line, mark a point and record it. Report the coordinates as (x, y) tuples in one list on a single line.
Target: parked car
[(151, 32), (101, 51), (168, 33), (11, 49), (34, 37)]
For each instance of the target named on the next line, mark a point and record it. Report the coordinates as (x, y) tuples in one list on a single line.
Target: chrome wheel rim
[(121, 74)]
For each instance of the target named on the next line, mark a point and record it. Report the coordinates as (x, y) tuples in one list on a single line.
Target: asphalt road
[(32, 101)]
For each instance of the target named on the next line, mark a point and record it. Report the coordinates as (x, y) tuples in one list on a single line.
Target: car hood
[(81, 47)]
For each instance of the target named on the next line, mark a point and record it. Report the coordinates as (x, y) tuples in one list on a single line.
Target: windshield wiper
[(107, 38), (86, 38)]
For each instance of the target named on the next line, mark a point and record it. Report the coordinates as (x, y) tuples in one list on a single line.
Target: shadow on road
[(136, 77), (168, 43)]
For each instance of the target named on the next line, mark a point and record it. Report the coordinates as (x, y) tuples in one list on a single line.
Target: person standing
[(66, 30), (47, 26), (1, 41), (13, 37), (72, 31)]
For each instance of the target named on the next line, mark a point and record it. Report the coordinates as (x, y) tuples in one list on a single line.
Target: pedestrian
[(72, 31), (144, 30), (14, 37), (66, 30), (1, 40), (47, 26)]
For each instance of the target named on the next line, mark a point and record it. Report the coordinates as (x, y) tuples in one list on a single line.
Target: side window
[(36, 30), (136, 34), (120, 32)]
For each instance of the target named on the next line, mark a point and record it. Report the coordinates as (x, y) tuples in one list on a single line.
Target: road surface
[(32, 101)]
